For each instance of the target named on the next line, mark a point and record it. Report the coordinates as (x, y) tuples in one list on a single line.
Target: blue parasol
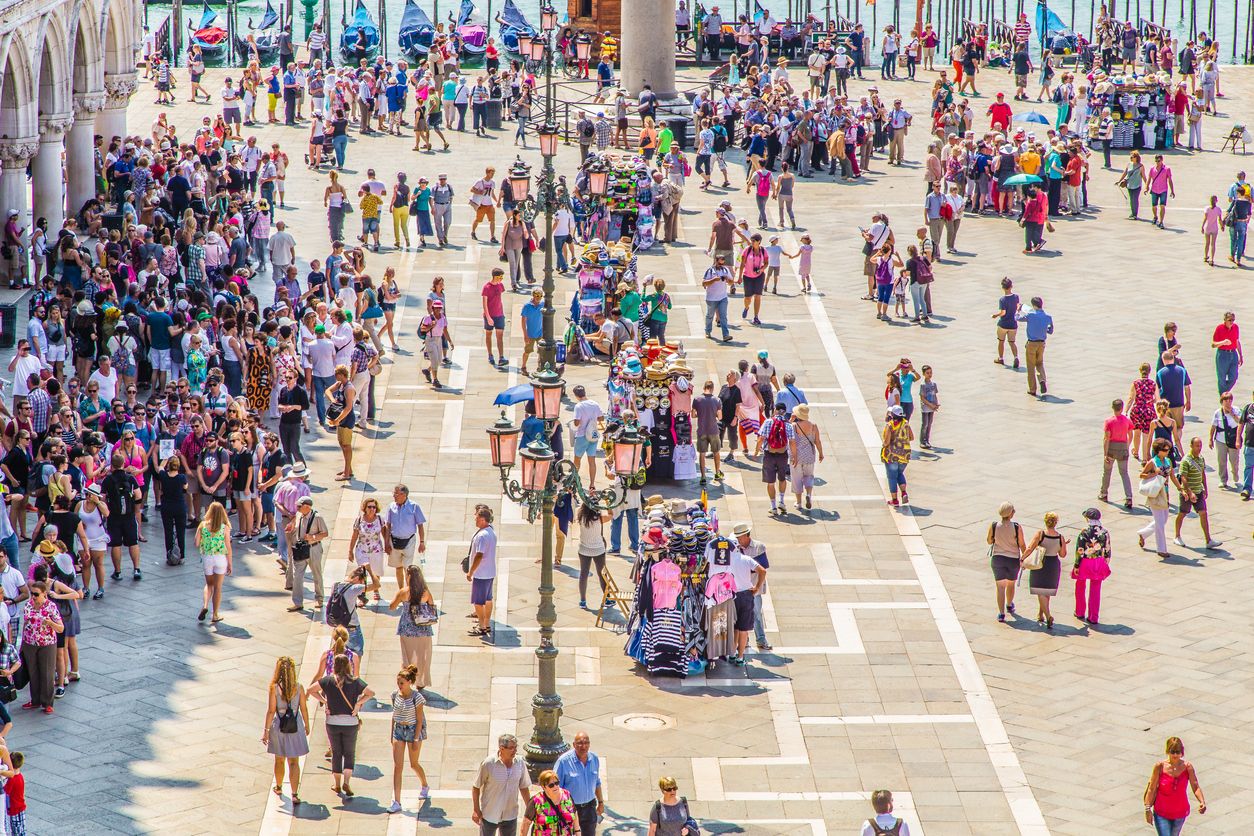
[(1031, 116), (521, 393)]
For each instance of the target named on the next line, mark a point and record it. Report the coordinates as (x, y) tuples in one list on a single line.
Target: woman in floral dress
[(1141, 410), (285, 360), (370, 533)]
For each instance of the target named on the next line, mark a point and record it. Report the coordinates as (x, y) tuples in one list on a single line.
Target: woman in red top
[(1166, 799), (1035, 219)]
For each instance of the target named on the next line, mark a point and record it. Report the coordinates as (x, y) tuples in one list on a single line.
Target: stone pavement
[(888, 672)]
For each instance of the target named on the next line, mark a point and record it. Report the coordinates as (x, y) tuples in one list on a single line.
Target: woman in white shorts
[(367, 546), (58, 350), (213, 538), (94, 512)]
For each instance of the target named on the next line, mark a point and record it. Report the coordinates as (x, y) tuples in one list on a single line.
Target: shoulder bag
[(302, 548)]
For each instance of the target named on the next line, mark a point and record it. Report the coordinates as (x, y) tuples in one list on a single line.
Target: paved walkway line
[(1010, 774)]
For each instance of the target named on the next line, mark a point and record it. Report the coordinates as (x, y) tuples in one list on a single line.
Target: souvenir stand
[(1138, 104), (628, 200), (600, 269), (682, 616), (656, 383)]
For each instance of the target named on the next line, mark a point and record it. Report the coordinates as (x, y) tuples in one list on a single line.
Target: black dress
[(1044, 581)]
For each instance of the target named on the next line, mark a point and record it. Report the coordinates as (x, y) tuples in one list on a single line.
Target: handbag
[(347, 207), (8, 693), (426, 617), (1151, 486), (690, 824), (1035, 559)]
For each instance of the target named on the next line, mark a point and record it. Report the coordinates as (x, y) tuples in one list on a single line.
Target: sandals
[(276, 789)]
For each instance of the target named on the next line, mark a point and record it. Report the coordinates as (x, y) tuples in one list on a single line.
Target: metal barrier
[(582, 99)]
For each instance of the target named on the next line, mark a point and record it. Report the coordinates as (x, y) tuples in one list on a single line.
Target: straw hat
[(801, 411)]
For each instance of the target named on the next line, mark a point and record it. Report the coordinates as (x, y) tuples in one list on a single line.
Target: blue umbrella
[(1021, 180), (515, 394), (1031, 116)]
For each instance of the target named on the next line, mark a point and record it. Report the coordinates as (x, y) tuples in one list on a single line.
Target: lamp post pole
[(546, 744)]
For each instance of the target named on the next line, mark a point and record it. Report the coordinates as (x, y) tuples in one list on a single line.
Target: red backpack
[(777, 436)]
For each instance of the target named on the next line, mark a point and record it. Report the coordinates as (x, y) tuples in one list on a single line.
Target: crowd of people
[(153, 377)]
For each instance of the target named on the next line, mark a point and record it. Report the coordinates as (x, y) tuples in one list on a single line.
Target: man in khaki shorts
[(408, 527), (485, 200)]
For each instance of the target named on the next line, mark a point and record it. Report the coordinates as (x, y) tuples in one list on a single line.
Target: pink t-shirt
[(665, 585), (1210, 220), (493, 293), (1119, 427)]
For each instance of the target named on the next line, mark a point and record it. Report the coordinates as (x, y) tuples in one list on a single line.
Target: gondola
[(1055, 35), (472, 35), (348, 40), (512, 25), (416, 32), (211, 39), (266, 36)]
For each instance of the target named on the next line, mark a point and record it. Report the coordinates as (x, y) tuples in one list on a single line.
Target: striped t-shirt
[(405, 709)]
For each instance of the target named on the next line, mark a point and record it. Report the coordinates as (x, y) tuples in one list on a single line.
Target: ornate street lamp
[(541, 476), (583, 49)]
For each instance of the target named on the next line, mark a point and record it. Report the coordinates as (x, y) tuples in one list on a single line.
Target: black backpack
[(720, 139), (880, 831), (338, 612), (586, 129)]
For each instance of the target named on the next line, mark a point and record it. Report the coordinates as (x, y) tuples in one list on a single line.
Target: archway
[(87, 86), (18, 144), (119, 71), (54, 119)]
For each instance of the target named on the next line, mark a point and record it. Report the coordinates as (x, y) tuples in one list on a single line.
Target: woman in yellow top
[(213, 538), (895, 452)]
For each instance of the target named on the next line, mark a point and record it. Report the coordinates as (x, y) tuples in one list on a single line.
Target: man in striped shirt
[(317, 43), (1023, 30)]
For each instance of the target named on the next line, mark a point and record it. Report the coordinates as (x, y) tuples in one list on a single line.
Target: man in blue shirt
[(1175, 385), (790, 396), (579, 772), (408, 528), (159, 325), (532, 325), (289, 96), (1039, 326)]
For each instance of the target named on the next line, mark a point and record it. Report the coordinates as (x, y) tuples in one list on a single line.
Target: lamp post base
[(546, 744)]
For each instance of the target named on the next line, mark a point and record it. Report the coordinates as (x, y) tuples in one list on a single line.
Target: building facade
[(67, 72)]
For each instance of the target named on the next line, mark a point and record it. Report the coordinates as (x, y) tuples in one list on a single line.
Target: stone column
[(118, 91), (648, 47), (15, 156), (47, 174), (80, 161)]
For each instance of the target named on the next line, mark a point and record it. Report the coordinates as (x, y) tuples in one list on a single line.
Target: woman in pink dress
[(1212, 223)]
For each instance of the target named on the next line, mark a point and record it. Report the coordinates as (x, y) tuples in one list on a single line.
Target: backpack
[(923, 271), (720, 139), (121, 356), (338, 612), (880, 831), (36, 483), (586, 128), (777, 436)]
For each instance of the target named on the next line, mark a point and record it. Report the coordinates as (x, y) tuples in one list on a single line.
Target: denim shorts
[(403, 733), (495, 323), (586, 446), (883, 293), (369, 225)]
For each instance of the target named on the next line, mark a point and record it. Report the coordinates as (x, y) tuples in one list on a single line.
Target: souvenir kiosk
[(655, 382), (1139, 107), (683, 616)]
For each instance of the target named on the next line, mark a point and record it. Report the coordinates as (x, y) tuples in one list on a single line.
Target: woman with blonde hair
[(213, 538), (1006, 548), (286, 729), (340, 416), (1043, 580), (1166, 794), (390, 294), (368, 543), (1140, 408), (409, 729), (669, 816), (418, 615)]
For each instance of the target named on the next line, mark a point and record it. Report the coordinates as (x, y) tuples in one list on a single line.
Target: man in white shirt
[(15, 590), (587, 437), (884, 821), (372, 185), (563, 232), (899, 120), (282, 249), (483, 196), (23, 365), (717, 282), (106, 378), (482, 575), (251, 156), (502, 780)]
